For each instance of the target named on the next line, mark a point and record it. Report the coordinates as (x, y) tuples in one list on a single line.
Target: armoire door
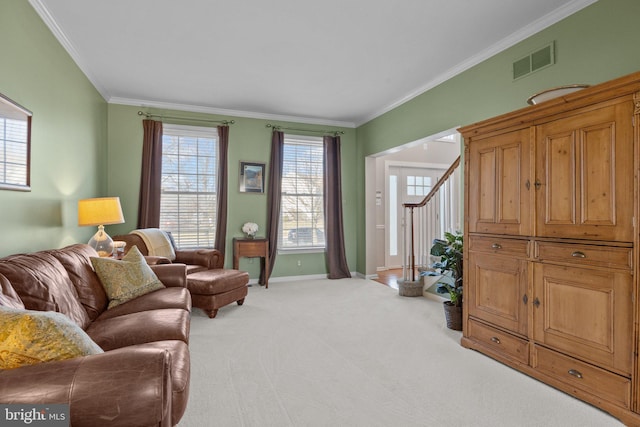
[(586, 313), (498, 291), (584, 175), (500, 184)]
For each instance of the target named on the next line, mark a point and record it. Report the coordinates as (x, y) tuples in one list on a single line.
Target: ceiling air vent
[(535, 61)]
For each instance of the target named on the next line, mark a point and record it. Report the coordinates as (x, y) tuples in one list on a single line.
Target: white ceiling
[(336, 62)]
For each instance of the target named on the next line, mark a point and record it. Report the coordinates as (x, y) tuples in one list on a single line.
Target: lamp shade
[(100, 211)]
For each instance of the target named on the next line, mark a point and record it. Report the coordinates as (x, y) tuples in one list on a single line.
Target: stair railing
[(438, 212)]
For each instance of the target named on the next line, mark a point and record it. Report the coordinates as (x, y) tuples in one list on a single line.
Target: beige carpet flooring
[(352, 352)]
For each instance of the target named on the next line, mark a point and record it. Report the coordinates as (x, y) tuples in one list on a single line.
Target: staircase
[(439, 212)]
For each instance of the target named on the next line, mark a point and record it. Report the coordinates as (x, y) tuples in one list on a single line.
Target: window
[(188, 199), (15, 127), (418, 185), (302, 209)]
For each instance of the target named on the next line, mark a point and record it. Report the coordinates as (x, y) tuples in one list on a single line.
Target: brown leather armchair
[(210, 284), (198, 259)]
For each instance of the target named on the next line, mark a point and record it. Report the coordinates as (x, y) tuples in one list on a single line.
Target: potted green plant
[(450, 267)]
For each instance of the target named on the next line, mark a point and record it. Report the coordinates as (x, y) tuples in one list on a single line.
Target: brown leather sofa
[(143, 376)]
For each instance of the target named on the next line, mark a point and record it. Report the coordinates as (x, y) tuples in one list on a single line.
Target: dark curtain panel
[(149, 202), (221, 211), (334, 229), (274, 193)]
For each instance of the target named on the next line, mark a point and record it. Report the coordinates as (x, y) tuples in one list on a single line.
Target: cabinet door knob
[(527, 184), (525, 299), (578, 254), (537, 184), (496, 246), (575, 373), (495, 340), (536, 302)]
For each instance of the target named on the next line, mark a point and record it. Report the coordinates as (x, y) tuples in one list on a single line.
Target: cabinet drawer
[(588, 378), (497, 245), (600, 256), (252, 249), (500, 342)]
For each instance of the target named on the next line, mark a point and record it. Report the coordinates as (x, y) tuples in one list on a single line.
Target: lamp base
[(102, 242)]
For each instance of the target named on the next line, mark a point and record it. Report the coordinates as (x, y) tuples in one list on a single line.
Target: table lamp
[(100, 211)]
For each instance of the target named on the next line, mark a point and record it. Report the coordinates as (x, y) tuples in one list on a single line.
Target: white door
[(405, 185)]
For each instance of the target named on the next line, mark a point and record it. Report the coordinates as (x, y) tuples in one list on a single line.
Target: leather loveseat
[(142, 377)]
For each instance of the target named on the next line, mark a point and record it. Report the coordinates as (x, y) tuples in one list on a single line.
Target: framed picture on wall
[(251, 177)]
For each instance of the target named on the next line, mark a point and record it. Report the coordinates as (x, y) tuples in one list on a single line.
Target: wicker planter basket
[(410, 289), (453, 315)]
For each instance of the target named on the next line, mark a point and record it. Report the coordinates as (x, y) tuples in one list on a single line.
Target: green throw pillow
[(126, 279), (28, 337)]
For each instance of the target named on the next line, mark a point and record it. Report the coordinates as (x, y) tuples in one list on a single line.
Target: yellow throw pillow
[(126, 279), (29, 337)]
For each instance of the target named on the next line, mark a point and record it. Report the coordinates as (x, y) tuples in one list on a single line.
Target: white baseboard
[(297, 278)]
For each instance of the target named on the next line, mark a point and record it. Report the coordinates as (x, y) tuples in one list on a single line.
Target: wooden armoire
[(551, 243)]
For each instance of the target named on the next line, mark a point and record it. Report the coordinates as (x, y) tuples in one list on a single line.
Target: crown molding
[(520, 35), (527, 31), (226, 112), (53, 26), (62, 38)]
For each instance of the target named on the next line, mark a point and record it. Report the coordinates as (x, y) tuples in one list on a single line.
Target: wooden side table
[(252, 248)]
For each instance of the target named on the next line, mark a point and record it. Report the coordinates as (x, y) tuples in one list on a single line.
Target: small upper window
[(15, 145), (418, 185)]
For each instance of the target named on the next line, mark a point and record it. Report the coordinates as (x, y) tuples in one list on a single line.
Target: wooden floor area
[(390, 277)]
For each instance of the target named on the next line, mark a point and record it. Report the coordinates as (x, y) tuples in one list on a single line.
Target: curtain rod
[(148, 115), (335, 132)]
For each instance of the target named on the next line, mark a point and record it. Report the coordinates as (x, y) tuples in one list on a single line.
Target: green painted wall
[(82, 147), (594, 45), (68, 134), (249, 140)]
